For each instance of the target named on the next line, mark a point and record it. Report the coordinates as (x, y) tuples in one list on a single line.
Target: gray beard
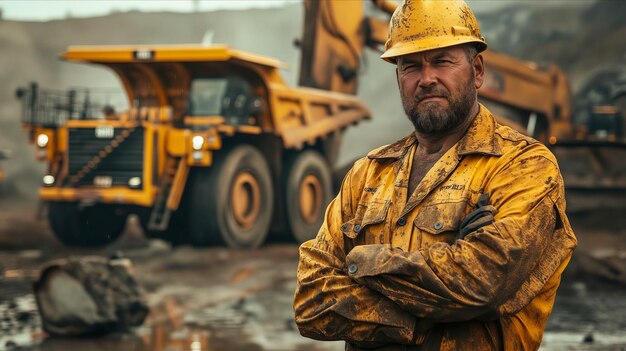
[(432, 119), (439, 121)]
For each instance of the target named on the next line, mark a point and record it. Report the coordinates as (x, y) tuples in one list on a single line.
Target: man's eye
[(439, 62)]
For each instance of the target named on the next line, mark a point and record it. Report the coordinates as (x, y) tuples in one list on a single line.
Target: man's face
[(438, 88)]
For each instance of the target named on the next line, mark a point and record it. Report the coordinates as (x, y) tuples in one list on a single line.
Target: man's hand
[(480, 217)]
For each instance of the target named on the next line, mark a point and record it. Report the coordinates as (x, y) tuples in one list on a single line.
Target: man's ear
[(479, 70)]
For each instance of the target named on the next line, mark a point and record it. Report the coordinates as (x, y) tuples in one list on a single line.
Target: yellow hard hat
[(421, 25)]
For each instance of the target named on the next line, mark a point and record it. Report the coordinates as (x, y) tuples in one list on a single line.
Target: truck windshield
[(207, 96), (224, 96)]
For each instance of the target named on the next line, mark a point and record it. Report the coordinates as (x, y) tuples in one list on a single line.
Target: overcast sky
[(45, 10)]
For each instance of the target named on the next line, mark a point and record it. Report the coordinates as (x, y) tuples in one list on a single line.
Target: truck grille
[(122, 163)]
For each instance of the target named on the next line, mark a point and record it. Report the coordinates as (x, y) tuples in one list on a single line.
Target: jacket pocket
[(439, 222), (367, 216)]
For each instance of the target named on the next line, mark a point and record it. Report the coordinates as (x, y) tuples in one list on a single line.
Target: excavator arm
[(335, 33)]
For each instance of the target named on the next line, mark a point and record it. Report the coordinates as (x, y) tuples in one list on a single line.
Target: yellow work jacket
[(387, 271)]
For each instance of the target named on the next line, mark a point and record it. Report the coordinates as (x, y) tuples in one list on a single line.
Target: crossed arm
[(394, 296), (330, 305)]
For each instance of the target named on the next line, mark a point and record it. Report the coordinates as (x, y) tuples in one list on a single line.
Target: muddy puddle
[(200, 300), (248, 324), (582, 320)]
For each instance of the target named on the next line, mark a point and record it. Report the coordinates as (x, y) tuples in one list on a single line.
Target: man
[(453, 238)]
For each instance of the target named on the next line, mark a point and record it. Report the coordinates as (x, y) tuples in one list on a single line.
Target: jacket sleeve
[(329, 305), (494, 271)]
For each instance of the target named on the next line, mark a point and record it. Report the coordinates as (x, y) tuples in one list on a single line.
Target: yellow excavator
[(534, 100)]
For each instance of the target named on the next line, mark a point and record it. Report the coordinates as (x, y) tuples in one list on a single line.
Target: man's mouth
[(430, 98)]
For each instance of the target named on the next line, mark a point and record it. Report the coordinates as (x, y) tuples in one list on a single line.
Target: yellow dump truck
[(214, 148)]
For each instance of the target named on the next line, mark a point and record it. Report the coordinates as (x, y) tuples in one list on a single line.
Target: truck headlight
[(197, 142), (134, 182), (42, 140), (48, 180)]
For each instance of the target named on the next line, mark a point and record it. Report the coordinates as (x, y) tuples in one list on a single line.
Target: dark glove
[(480, 217)]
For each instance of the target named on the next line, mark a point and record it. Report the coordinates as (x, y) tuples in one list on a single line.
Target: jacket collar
[(394, 151), (479, 139)]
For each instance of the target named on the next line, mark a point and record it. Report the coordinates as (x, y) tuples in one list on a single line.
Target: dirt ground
[(206, 299), (221, 299)]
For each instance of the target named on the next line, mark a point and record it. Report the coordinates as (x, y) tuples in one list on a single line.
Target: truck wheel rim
[(246, 199), (310, 198)]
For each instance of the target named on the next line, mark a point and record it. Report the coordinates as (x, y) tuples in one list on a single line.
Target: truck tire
[(308, 191), (93, 226), (232, 201)]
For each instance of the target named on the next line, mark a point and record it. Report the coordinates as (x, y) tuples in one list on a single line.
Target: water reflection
[(264, 322), (158, 338), (206, 329)]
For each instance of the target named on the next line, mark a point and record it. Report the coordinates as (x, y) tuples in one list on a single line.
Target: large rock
[(89, 295)]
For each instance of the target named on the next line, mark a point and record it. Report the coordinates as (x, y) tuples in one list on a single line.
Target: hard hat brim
[(427, 44)]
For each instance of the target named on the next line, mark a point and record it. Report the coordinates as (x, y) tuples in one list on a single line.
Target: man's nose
[(428, 77)]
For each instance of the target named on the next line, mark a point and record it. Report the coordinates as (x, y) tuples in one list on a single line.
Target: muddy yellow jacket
[(388, 272)]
